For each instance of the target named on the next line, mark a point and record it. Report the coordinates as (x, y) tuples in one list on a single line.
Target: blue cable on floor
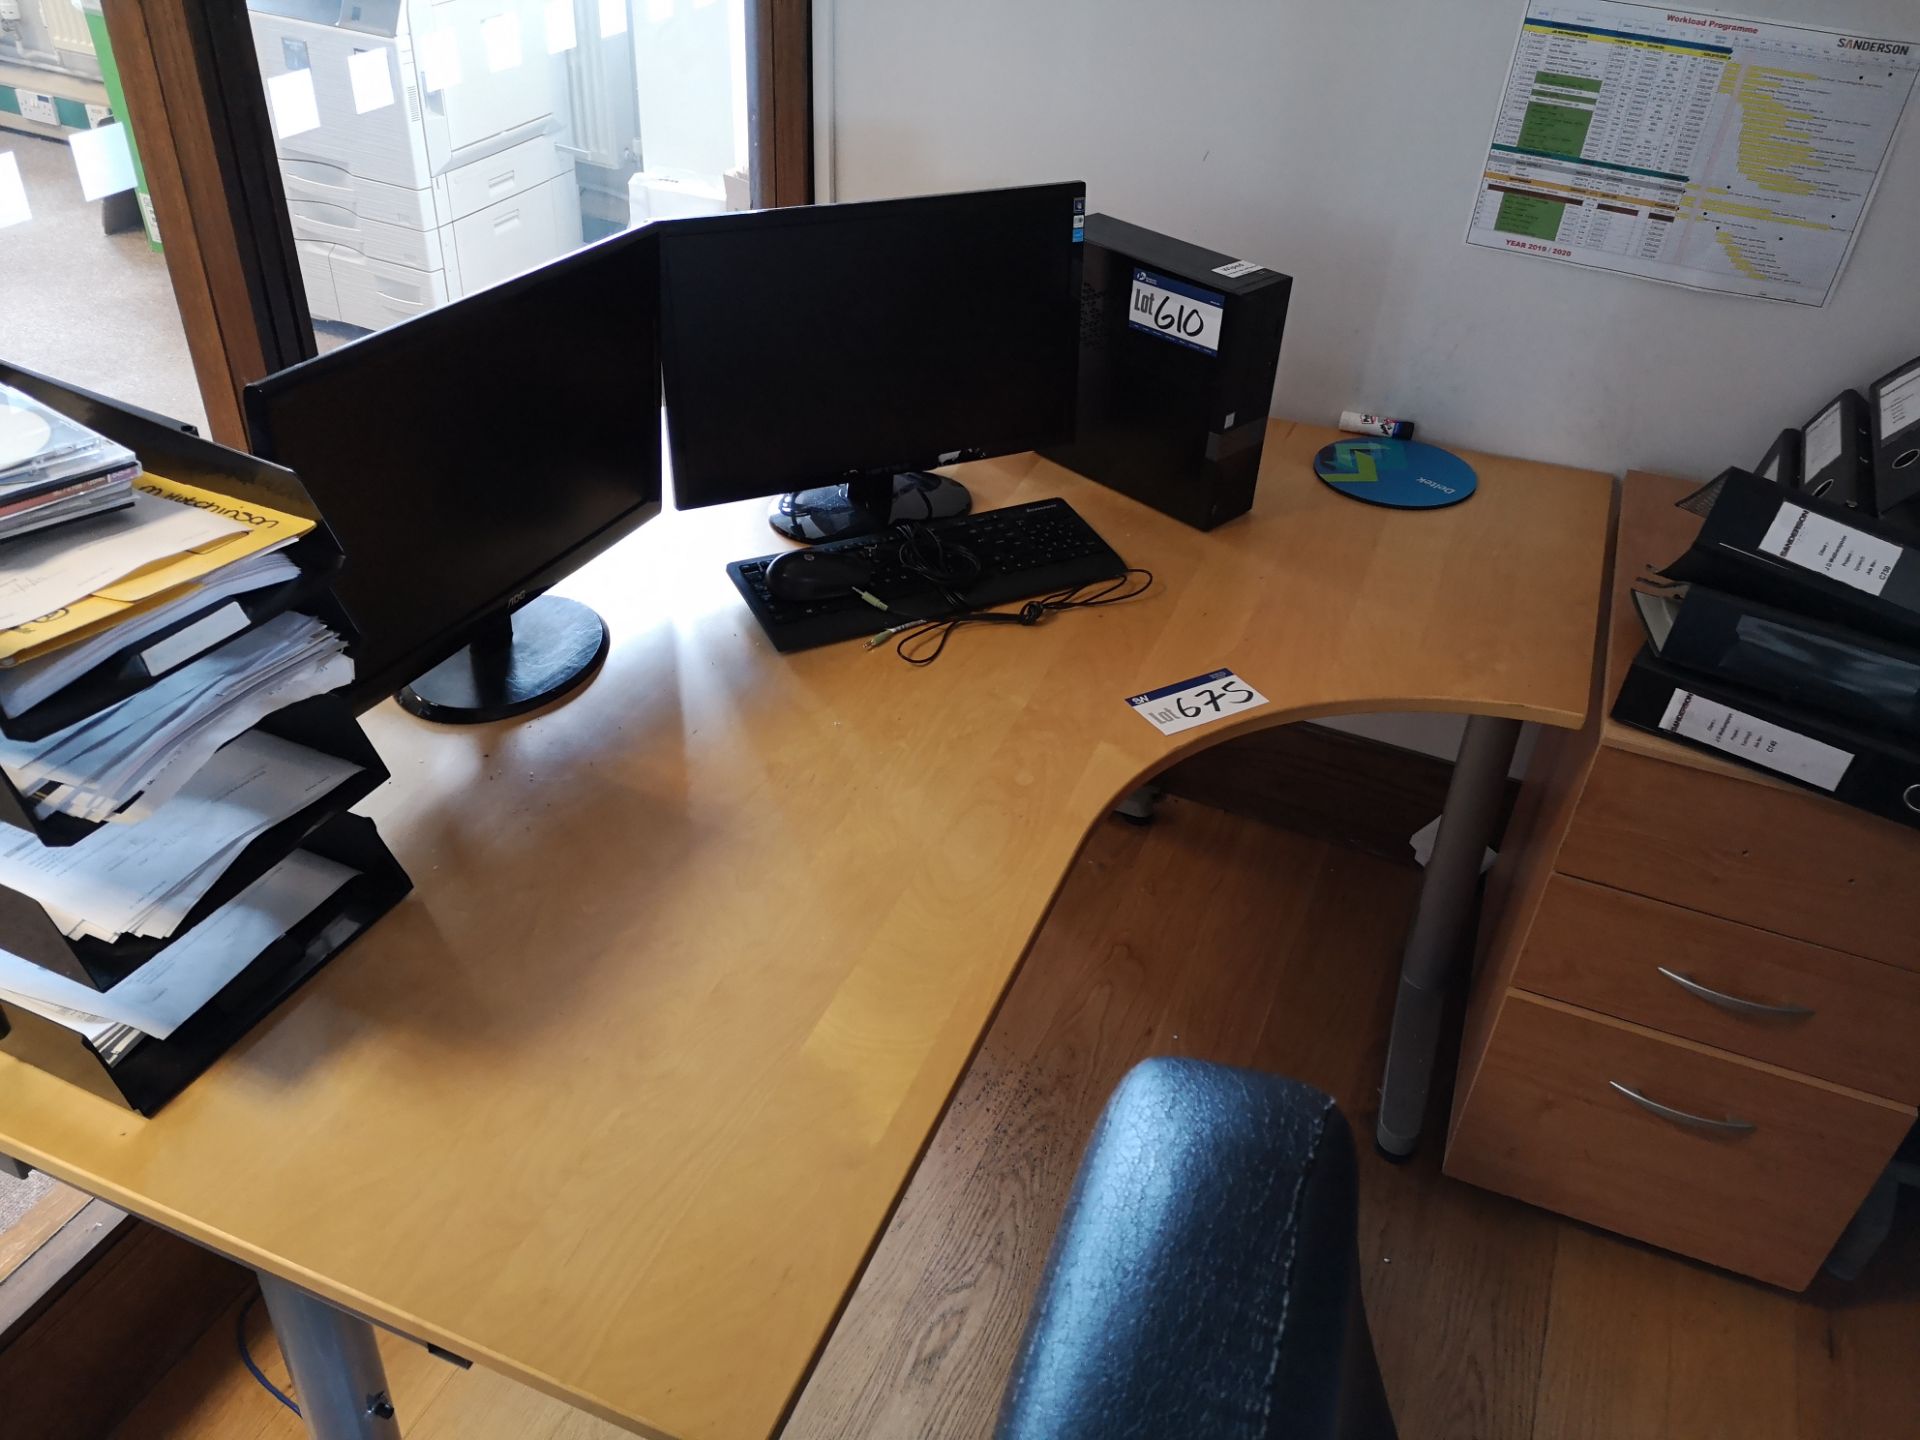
[(246, 1358)]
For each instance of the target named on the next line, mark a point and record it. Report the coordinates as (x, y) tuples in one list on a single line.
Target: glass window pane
[(430, 148), (84, 292)]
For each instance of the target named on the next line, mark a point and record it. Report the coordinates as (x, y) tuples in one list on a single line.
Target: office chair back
[(1203, 1283)]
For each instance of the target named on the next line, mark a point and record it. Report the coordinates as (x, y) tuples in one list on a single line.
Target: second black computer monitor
[(841, 351), (471, 457)]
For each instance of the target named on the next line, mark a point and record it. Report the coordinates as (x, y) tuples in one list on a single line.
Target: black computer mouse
[(817, 574)]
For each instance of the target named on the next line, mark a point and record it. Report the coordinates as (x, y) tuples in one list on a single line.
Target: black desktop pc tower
[(1178, 349)]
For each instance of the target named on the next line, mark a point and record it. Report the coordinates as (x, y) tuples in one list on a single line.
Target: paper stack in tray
[(173, 773), (144, 880), (111, 580), (122, 763), (170, 989), (158, 587)]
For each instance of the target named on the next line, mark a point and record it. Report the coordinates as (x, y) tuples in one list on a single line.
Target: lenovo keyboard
[(1023, 552)]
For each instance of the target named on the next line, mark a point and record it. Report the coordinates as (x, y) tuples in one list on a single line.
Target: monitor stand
[(517, 661), (867, 506)]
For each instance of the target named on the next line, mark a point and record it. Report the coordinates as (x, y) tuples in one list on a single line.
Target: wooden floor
[(21, 1240), (1221, 937)]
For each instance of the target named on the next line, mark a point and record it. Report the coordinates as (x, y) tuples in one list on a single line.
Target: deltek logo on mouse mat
[(1404, 474)]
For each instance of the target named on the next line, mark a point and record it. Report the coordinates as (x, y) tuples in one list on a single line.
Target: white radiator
[(66, 24)]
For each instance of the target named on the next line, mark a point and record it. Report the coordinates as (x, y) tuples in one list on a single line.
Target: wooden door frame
[(200, 119), (780, 101)]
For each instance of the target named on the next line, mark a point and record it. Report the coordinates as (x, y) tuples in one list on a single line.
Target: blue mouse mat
[(1402, 473)]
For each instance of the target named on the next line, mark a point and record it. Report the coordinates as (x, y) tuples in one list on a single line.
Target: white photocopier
[(418, 152)]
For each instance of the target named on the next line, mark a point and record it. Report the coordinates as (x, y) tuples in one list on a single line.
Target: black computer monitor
[(468, 458), (838, 350)]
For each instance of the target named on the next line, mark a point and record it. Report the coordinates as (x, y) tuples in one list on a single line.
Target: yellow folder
[(157, 583)]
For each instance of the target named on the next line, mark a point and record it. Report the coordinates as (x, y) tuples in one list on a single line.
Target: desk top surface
[(619, 1101)]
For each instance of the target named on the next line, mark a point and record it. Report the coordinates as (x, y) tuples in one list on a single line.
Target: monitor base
[(516, 662), (867, 506)]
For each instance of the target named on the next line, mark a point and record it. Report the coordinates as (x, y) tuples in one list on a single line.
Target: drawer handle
[(1734, 1002), (1729, 1126)]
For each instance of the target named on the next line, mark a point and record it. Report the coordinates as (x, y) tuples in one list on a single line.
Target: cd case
[(53, 468)]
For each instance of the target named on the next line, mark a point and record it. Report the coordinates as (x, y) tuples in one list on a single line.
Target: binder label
[(1814, 542), (1900, 404), (1822, 445), (1757, 741)]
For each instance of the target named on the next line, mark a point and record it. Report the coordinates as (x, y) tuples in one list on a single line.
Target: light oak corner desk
[(621, 1099)]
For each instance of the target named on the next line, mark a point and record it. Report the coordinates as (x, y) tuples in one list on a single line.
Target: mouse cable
[(948, 568), (921, 642)]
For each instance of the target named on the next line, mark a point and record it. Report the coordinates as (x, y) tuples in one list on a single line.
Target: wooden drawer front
[(1605, 949), (1542, 1123), (1797, 864)]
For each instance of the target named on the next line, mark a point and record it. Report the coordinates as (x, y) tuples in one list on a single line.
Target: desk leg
[(338, 1379), (1439, 925)]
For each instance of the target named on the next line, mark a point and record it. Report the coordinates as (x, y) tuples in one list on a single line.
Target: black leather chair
[(1204, 1283)]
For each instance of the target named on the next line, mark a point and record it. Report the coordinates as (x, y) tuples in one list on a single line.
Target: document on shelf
[(143, 879), (248, 529), (28, 682), (53, 569), (315, 673), (171, 988), (115, 1041), (110, 1038), (126, 761), (17, 987)]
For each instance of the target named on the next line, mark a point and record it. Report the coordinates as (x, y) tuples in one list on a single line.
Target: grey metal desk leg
[(338, 1379), (1439, 924)]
